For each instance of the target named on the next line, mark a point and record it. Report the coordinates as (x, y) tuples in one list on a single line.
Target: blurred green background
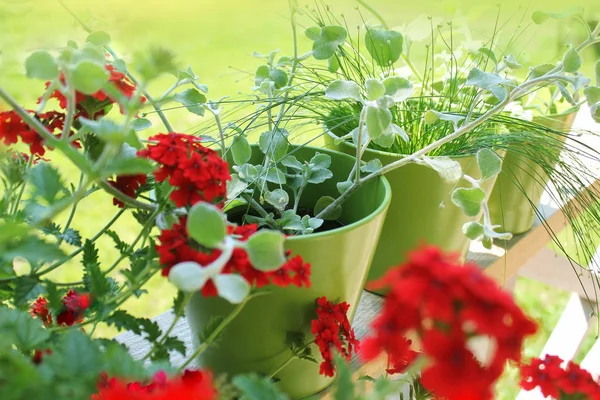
[(217, 39)]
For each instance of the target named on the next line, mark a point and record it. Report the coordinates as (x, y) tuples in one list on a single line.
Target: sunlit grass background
[(217, 38)]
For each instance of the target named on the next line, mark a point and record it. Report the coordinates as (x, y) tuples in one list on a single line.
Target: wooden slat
[(591, 362)]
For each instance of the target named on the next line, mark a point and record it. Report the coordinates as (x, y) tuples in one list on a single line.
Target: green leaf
[(432, 116), (378, 121), (571, 60), (139, 124), (253, 387), (489, 54), (487, 81), (206, 225), (89, 77), (343, 186), (41, 65), (333, 64), (232, 287), (154, 62), (70, 235), (32, 248), (384, 46), (210, 329), (26, 289), (46, 182), (313, 33), (319, 176), (399, 89), (120, 245), (275, 175), (343, 90), (120, 363), (323, 203), (330, 38), (175, 344), (372, 166), (469, 200), (592, 94), (511, 62), (278, 198), (540, 70), (241, 150), (18, 328), (597, 72), (279, 77), (375, 89), (489, 163), (449, 170), (129, 166), (127, 322), (263, 73), (319, 161), (247, 173), (99, 38), (83, 355), (473, 230), (265, 250), (344, 385), (540, 17), (94, 278), (274, 144), (192, 99), (292, 162)]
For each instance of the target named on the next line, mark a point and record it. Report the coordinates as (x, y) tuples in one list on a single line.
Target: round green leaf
[(232, 287), (378, 121), (274, 143), (489, 163), (262, 73), (193, 100), (279, 77), (41, 65), (469, 200), (188, 276), (343, 90), (375, 89), (89, 77), (265, 250), (240, 150), (319, 176), (473, 230), (330, 38), (278, 198), (99, 38), (322, 203), (399, 89), (571, 60), (384, 46), (206, 225)]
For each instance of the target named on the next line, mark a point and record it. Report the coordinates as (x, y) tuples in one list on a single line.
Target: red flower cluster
[(97, 101), (197, 173), (176, 246), (128, 184), (13, 128), (332, 331), (445, 304), (571, 382), (38, 356), (74, 306), (25, 157), (191, 385)]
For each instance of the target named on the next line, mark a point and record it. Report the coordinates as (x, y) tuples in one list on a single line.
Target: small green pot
[(520, 185), (256, 340), (421, 211)]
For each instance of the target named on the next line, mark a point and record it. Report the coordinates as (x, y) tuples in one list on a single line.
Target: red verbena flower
[(38, 356), (570, 382), (127, 184), (196, 172), (74, 307), (175, 246), (13, 129), (445, 304), (191, 385), (333, 332)]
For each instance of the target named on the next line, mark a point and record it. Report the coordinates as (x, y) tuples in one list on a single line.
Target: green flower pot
[(520, 185), (256, 340), (421, 211)]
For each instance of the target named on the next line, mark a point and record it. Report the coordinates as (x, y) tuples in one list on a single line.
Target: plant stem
[(17, 202), (221, 133), (412, 67), (294, 63), (66, 133), (110, 189), (214, 334), (361, 125), (298, 195), (374, 12), (73, 209), (283, 365), (260, 210)]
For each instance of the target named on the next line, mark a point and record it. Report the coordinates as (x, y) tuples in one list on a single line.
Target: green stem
[(283, 365), (73, 209), (374, 12), (131, 202), (210, 339), (17, 202), (260, 210), (298, 195), (66, 133), (361, 126), (221, 132), (412, 67)]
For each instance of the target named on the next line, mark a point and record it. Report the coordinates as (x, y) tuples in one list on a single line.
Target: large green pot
[(256, 340), (520, 185), (421, 211)]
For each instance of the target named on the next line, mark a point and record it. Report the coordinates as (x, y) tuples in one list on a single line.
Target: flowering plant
[(89, 113)]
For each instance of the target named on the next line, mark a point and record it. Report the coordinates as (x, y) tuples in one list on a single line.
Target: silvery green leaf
[(597, 72), (595, 111), (235, 187), (265, 250), (278, 198), (247, 173), (577, 81), (284, 61), (592, 94), (320, 161), (540, 16), (333, 64), (469, 200), (41, 65), (261, 75), (488, 81), (328, 41), (384, 46), (193, 100), (511, 62), (488, 231), (571, 60), (378, 120), (343, 186), (385, 101), (540, 70), (313, 33), (455, 119), (449, 170), (565, 93), (274, 143), (364, 138), (206, 225), (397, 88), (489, 163), (323, 203), (386, 140), (430, 117), (288, 217), (139, 124), (275, 175), (240, 150), (372, 166), (485, 52), (400, 132), (188, 276), (292, 162), (473, 230), (319, 176), (375, 89), (343, 90), (232, 287), (312, 223)]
